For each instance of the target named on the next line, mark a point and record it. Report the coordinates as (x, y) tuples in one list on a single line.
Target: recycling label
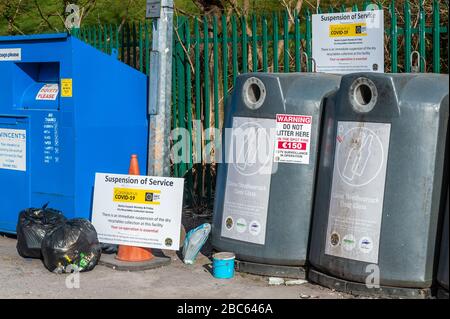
[(293, 139), (357, 192), (249, 175)]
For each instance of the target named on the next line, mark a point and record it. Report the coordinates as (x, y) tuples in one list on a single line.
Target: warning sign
[(49, 92), (293, 139)]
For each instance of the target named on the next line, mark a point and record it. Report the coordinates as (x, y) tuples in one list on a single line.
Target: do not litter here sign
[(293, 138)]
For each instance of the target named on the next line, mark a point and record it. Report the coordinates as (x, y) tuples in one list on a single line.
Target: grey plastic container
[(442, 277), (291, 187), (411, 166)]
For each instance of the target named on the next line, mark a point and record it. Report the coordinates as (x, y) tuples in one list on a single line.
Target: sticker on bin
[(66, 87), (13, 54), (293, 139), (49, 92)]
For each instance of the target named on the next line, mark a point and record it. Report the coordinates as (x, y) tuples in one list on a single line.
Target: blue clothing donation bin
[(67, 111)]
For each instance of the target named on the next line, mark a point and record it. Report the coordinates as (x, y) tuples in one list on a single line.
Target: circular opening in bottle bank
[(363, 95), (254, 93)]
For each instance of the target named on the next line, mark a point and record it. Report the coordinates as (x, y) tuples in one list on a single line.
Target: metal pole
[(160, 88)]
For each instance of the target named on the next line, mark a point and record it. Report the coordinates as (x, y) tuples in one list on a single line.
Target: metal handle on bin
[(306, 59), (415, 68), (314, 65)]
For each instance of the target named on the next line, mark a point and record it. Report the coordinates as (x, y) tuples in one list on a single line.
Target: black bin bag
[(71, 247), (32, 225), (109, 249)]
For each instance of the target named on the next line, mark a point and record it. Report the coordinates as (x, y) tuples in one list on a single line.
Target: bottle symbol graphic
[(358, 157), (247, 151)]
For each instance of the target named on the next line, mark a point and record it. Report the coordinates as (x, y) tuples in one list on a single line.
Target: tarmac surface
[(28, 278)]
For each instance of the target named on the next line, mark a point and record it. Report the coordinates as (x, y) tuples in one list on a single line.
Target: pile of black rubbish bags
[(64, 245)]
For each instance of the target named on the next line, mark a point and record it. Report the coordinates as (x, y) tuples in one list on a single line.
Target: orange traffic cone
[(132, 253)]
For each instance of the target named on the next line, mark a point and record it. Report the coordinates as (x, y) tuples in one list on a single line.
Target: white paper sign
[(142, 211), (14, 54), (293, 139), (13, 149), (348, 42), (48, 92)]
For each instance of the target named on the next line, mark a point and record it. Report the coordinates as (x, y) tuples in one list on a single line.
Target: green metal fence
[(210, 52)]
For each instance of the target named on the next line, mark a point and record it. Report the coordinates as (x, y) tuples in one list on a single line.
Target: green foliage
[(40, 16), (23, 16)]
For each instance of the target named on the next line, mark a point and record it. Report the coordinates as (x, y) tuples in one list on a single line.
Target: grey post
[(160, 87)]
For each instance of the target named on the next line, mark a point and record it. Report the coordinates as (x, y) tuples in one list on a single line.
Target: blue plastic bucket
[(223, 265)]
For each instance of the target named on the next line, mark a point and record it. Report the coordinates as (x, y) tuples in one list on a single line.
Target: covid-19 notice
[(141, 211), (348, 42)]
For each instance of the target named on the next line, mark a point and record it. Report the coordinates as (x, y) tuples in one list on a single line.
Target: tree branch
[(43, 17), (124, 19)]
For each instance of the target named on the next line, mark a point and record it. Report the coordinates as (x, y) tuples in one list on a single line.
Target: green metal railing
[(210, 52)]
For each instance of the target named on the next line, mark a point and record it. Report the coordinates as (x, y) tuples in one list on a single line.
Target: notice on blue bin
[(48, 92), (13, 54), (13, 150), (142, 211)]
